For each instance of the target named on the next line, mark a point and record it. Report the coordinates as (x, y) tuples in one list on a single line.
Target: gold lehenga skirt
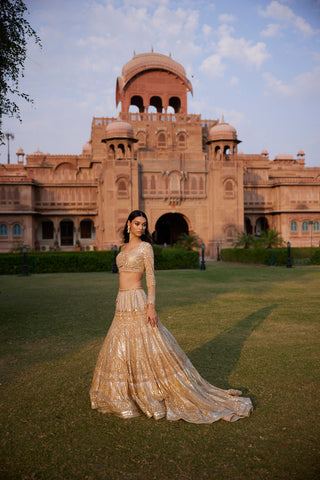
[(142, 369)]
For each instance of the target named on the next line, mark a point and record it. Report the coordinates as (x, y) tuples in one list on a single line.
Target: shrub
[(276, 256), (97, 261), (53, 262), (176, 258)]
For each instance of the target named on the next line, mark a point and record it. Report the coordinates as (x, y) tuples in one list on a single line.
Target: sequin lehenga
[(142, 369)]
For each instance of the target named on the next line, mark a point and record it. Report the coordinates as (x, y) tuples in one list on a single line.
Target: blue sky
[(255, 62)]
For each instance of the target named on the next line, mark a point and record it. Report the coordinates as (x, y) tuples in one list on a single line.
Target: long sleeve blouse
[(140, 260)]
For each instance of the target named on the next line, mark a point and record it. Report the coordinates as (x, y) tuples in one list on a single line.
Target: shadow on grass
[(216, 359)]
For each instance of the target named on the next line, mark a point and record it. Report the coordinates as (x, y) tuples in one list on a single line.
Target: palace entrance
[(169, 227)]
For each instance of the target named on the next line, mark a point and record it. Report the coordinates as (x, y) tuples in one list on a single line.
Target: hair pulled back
[(146, 237)]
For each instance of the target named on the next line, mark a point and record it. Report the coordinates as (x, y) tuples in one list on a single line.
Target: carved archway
[(169, 227)]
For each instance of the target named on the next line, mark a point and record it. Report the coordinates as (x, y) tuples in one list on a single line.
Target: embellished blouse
[(139, 260)]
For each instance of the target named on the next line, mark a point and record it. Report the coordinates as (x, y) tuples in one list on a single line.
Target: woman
[(141, 368)]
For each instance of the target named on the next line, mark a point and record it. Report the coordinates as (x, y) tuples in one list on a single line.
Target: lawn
[(248, 327)]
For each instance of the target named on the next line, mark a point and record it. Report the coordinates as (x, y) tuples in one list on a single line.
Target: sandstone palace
[(185, 172)]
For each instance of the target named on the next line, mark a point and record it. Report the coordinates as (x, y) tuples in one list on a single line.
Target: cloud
[(285, 14), (227, 17), (305, 85), (242, 50), (234, 81), (212, 66), (206, 29), (233, 117), (239, 50), (271, 31)]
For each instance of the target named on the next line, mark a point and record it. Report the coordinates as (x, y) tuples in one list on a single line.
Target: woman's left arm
[(148, 259)]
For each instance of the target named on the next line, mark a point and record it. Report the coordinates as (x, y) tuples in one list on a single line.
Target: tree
[(271, 238), (188, 242), (243, 240), (15, 31)]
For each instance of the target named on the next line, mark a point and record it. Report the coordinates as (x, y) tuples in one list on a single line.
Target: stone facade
[(185, 172)]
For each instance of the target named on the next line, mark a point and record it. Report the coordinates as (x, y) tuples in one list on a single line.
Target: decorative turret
[(87, 149), (223, 140), (20, 155), (119, 130)]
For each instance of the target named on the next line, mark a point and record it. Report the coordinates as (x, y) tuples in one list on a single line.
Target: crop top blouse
[(139, 260)]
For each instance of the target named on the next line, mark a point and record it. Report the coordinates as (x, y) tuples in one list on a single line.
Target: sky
[(256, 62)]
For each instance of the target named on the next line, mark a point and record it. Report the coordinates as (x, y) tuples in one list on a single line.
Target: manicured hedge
[(175, 258), (275, 256), (98, 261), (53, 262)]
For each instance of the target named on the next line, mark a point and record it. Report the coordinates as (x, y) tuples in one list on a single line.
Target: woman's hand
[(152, 316)]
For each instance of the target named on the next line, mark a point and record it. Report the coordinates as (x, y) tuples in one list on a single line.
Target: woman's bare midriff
[(129, 280)]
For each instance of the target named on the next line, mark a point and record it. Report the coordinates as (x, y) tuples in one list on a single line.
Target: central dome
[(149, 61)]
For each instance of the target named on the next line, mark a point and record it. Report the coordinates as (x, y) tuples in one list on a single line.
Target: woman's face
[(138, 226)]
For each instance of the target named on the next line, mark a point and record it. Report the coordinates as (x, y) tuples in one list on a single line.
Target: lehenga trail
[(142, 369)]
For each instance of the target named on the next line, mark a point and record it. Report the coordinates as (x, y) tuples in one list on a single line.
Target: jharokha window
[(181, 140), (161, 140), (122, 188), (229, 188)]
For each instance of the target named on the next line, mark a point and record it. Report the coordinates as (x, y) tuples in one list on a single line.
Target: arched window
[(162, 140), (17, 230), (136, 101), (111, 152), (217, 153), (293, 227), (305, 227), (175, 103), (86, 229), (229, 189), (157, 103), (316, 227), (230, 232), (141, 137), (4, 232), (122, 188), (227, 152), (182, 140), (3, 195), (261, 225), (201, 184), (47, 230), (228, 186), (120, 151)]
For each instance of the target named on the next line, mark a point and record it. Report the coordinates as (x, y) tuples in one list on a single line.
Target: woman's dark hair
[(146, 237)]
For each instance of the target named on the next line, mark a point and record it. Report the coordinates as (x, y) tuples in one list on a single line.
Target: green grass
[(248, 327)]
